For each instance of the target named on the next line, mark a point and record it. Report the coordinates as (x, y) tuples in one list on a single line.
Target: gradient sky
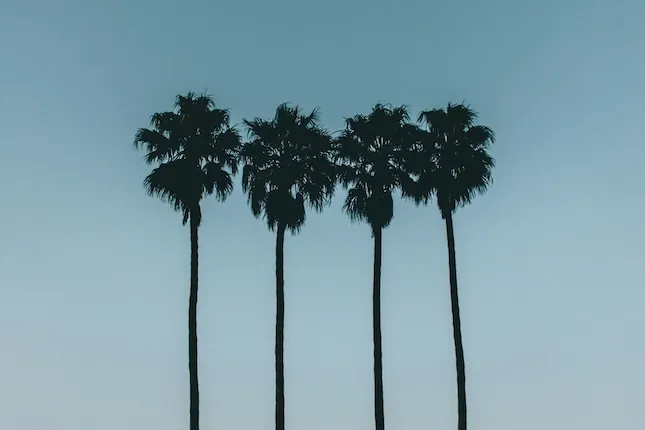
[(94, 274)]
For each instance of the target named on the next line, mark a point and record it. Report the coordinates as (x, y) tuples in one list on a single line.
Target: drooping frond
[(173, 183), (217, 180), (356, 203), (452, 160), (287, 165), (196, 151), (164, 122), (372, 154), (158, 146), (226, 150), (479, 137)]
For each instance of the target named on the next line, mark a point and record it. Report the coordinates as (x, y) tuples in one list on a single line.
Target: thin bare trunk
[(192, 328), (379, 414), (279, 329), (456, 327)]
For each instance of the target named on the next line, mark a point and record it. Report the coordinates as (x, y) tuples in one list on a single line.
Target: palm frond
[(217, 180), (356, 203), (460, 115), (159, 147), (164, 122), (227, 145), (171, 182), (479, 136)]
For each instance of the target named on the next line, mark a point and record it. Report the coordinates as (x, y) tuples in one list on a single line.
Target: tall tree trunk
[(192, 328), (456, 326), (379, 414), (279, 329)]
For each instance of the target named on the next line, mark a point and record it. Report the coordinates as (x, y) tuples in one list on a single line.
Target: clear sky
[(94, 274)]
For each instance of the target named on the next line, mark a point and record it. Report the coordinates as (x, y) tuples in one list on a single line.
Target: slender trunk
[(379, 414), (192, 329), (456, 326), (279, 329)]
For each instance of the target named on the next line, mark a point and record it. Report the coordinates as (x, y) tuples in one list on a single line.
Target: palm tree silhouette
[(452, 162), (287, 164), (371, 155), (195, 151)]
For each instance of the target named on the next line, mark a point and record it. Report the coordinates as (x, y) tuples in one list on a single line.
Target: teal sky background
[(94, 274)]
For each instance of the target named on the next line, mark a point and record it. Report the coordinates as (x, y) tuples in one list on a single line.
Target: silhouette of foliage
[(196, 152), (287, 164), (372, 155), (452, 161)]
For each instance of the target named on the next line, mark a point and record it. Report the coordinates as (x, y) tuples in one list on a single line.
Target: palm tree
[(287, 164), (194, 149), (371, 155), (453, 163)]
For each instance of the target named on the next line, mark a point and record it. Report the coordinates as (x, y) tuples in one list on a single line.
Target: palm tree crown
[(452, 161), (371, 155), (287, 163), (195, 149)]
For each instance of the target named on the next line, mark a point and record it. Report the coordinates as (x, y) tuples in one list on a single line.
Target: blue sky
[(94, 274)]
